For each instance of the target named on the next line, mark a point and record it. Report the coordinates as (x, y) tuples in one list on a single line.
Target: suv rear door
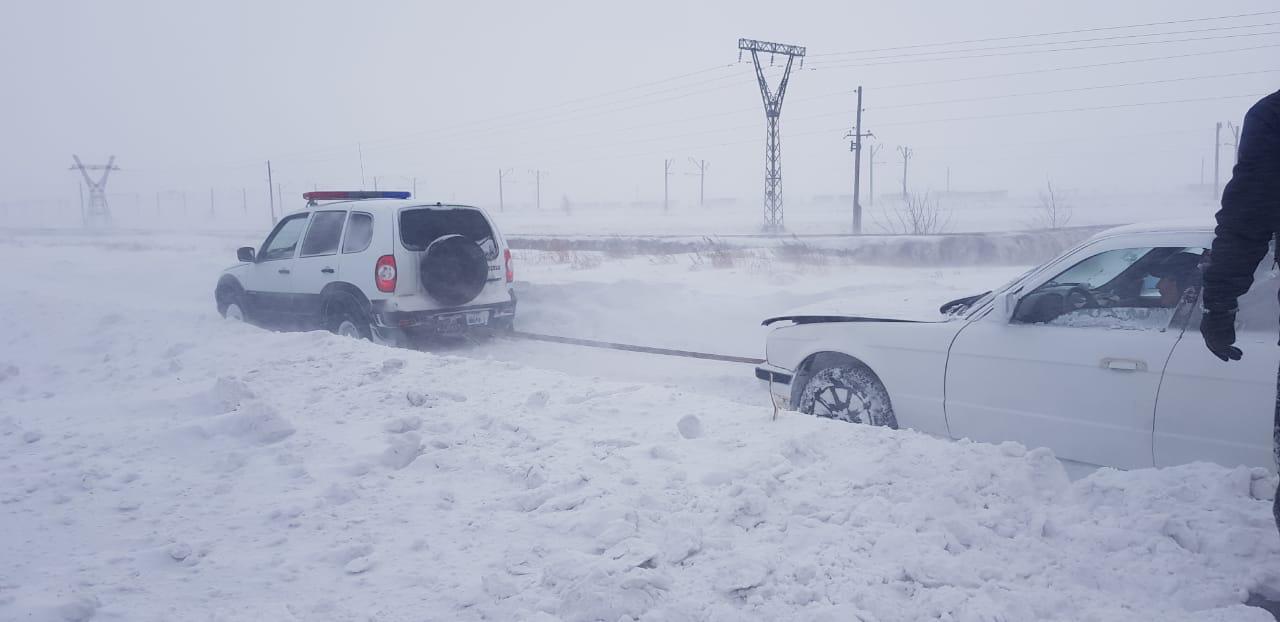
[(317, 263)]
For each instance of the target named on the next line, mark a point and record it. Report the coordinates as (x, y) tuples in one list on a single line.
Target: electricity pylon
[(773, 217), (96, 214)]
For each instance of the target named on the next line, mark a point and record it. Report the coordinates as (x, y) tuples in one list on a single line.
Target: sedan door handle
[(283, 271), (327, 270), (1124, 364)]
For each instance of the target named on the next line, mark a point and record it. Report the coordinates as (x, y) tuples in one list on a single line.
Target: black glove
[(1219, 331)]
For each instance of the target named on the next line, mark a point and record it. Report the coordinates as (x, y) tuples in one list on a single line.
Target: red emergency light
[(353, 195)]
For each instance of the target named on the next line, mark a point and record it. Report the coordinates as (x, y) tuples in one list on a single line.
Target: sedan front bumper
[(778, 381)]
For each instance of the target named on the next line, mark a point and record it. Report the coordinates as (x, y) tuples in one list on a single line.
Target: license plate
[(477, 318)]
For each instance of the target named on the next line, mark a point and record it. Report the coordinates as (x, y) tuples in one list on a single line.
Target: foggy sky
[(191, 95)]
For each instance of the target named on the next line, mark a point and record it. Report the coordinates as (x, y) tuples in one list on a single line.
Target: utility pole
[(415, 188), (906, 152), (948, 180), (359, 152), (1235, 141), (855, 137), (97, 213), (871, 174), (773, 217), (666, 179), (502, 175), (211, 203), (701, 165), (537, 175), (1217, 148), (271, 194)]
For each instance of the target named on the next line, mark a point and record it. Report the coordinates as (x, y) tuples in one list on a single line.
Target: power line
[(1052, 51), (1051, 34), (1087, 40)]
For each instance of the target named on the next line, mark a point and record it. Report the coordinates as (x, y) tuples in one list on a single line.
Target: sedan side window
[(1128, 288), (284, 240), (324, 233)]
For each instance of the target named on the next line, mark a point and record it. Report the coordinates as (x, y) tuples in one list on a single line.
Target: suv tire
[(453, 270), (343, 317)]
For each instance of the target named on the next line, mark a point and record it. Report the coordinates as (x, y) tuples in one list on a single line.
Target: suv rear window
[(421, 227)]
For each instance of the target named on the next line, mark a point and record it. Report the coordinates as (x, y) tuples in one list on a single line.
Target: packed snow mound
[(156, 461), (538, 498)]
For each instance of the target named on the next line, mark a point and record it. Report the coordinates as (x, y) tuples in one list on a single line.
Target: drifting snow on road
[(157, 462)]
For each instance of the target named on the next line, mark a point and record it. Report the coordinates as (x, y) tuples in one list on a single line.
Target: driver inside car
[(1177, 273)]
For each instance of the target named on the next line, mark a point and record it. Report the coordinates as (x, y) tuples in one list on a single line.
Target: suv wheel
[(231, 304), (344, 319)]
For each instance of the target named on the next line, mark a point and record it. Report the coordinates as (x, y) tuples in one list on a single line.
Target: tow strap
[(608, 345)]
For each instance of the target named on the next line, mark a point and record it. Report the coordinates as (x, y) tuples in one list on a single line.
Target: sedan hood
[(827, 319)]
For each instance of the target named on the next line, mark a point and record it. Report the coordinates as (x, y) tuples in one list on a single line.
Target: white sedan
[(1096, 355)]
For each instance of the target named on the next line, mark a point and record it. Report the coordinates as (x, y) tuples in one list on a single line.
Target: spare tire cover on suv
[(453, 270)]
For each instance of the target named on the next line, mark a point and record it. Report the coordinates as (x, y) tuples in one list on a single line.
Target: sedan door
[(1223, 412), (1077, 367)]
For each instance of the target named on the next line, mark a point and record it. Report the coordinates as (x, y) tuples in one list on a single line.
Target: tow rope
[(608, 345)]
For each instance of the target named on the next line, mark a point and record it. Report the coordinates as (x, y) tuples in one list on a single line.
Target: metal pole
[(84, 220), (415, 187), (857, 168), (666, 178), (702, 184), (538, 185), (271, 194), (501, 206), (211, 203), (360, 151), (244, 200), (1217, 148)]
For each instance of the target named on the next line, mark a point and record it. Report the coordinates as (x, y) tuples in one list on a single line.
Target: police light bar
[(353, 195)]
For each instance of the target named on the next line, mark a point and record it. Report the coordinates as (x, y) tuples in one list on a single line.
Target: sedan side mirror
[(1005, 305), (245, 254)]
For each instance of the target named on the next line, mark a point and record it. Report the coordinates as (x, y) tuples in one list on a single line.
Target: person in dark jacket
[(1248, 220)]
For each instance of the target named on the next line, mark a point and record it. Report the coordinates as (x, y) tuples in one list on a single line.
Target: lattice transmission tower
[(96, 213), (773, 220)]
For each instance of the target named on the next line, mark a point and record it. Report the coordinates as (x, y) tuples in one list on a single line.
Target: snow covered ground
[(159, 463)]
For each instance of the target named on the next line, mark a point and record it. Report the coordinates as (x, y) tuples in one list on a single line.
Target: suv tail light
[(384, 273), (506, 258)]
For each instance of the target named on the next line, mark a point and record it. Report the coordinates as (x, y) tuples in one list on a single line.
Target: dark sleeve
[(1250, 209)]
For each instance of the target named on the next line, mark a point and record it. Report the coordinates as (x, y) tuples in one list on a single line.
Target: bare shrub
[(586, 261), (1052, 212), (918, 214)]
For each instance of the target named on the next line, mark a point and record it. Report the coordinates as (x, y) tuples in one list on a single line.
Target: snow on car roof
[(1197, 225)]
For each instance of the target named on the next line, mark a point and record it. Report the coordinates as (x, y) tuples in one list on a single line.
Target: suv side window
[(324, 233), (1128, 288), (359, 233), (284, 240)]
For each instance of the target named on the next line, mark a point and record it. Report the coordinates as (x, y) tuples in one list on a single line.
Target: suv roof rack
[(352, 195)]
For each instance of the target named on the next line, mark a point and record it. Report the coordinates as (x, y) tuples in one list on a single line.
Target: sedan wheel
[(234, 312), (850, 394)]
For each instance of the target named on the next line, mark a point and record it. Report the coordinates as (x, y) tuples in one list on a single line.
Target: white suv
[(377, 266)]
